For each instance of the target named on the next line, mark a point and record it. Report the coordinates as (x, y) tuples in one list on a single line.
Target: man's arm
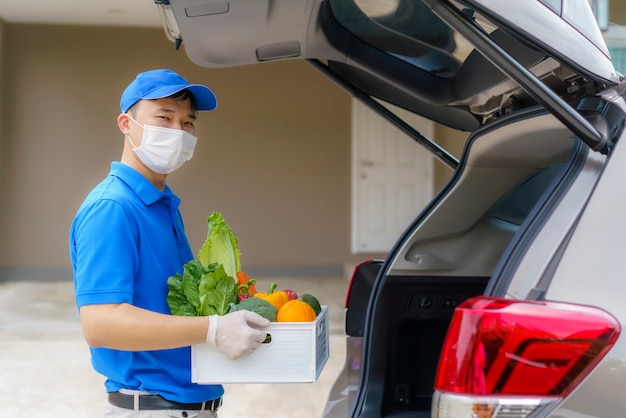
[(127, 327)]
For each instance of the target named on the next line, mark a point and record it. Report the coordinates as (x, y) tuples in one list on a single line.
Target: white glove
[(236, 334)]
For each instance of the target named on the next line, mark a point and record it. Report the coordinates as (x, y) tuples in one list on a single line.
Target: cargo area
[(419, 310)]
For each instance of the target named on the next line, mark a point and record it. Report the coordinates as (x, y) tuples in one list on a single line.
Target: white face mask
[(163, 150)]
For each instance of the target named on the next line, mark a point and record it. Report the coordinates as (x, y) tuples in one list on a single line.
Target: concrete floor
[(45, 368)]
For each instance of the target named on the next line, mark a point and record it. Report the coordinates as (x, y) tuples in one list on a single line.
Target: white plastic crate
[(298, 352)]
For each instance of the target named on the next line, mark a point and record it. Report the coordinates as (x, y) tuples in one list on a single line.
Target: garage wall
[(3, 144), (274, 157), (617, 12)]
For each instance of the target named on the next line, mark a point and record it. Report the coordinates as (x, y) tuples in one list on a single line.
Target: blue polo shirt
[(126, 240)]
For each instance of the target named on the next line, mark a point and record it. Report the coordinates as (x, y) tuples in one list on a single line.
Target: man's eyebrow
[(167, 110)]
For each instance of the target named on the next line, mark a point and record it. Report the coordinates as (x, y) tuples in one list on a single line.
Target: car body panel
[(599, 223), (592, 261)]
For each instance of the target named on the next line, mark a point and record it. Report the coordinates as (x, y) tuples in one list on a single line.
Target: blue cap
[(156, 84)]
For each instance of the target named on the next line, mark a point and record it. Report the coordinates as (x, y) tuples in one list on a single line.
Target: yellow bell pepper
[(278, 299)]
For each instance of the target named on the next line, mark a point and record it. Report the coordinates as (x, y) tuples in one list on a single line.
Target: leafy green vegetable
[(201, 290), (208, 284), (220, 246), (192, 274), (216, 291), (176, 299)]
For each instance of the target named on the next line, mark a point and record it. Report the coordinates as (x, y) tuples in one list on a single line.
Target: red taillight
[(501, 346), (352, 278)]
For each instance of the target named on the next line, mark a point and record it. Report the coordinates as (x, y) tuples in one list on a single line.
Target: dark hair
[(181, 95), (185, 95)]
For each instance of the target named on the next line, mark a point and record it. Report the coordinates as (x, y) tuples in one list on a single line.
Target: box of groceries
[(296, 348), (293, 352)]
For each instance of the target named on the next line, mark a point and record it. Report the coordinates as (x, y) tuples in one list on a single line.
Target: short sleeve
[(104, 254)]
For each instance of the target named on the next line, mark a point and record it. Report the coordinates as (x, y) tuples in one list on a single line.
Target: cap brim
[(204, 97)]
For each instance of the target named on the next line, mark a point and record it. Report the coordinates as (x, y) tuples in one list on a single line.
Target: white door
[(392, 178)]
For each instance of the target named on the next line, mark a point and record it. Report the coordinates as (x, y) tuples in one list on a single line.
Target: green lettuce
[(176, 299), (220, 246), (217, 290), (201, 290), (208, 284)]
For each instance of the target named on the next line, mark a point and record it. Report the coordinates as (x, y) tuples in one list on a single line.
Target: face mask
[(163, 150)]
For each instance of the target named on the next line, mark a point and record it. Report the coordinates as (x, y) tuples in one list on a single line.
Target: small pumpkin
[(296, 311)]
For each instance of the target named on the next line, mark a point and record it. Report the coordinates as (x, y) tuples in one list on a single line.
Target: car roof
[(407, 52)]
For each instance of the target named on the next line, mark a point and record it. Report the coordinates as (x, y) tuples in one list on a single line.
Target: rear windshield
[(409, 30), (406, 29)]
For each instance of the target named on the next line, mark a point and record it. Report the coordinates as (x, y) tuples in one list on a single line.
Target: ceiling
[(82, 12)]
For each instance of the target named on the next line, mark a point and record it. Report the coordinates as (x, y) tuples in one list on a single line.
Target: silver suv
[(505, 296)]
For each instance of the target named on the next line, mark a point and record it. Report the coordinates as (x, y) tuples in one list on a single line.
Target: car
[(504, 297)]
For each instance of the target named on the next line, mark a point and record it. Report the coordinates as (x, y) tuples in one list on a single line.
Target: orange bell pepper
[(278, 299), (296, 310)]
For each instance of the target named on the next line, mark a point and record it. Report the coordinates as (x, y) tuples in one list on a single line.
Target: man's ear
[(123, 122)]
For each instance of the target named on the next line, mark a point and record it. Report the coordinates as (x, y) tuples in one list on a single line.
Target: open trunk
[(508, 192)]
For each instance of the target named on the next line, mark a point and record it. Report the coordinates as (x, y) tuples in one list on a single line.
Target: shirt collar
[(145, 190)]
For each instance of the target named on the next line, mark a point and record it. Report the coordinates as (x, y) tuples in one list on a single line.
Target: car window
[(408, 30), (515, 206)]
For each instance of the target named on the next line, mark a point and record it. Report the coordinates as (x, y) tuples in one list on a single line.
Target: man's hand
[(236, 333)]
